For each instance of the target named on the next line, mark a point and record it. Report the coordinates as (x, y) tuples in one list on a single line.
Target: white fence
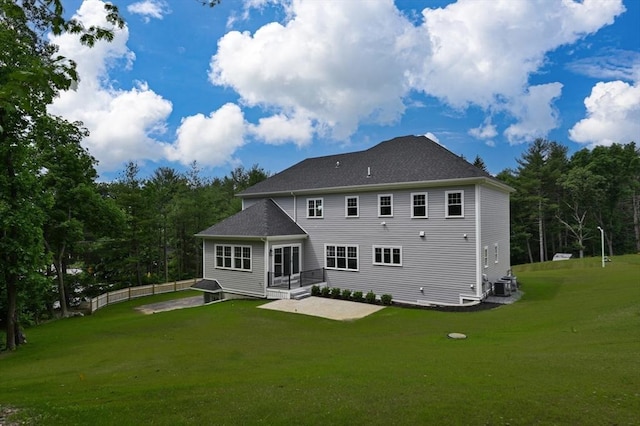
[(129, 293)]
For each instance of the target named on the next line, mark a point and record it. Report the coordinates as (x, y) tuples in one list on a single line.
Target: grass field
[(567, 353)]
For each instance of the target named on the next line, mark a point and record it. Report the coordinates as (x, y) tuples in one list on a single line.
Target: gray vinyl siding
[(287, 203), (447, 266), (244, 282), (443, 262), (494, 227)]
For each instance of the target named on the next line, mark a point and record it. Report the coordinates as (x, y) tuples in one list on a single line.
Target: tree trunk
[(12, 304), (64, 312), (541, 231), (11, 277)]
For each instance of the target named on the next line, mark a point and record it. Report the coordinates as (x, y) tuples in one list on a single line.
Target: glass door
[(286, 265)]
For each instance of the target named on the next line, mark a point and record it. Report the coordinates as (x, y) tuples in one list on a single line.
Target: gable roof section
[(401, 160), (260, 220), (211, 286)]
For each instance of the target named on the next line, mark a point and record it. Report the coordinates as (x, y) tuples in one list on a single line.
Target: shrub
[(386, 299), (370, 297), (335, 293), (315, 290), (346, 294), (325, 292), (357, 296)]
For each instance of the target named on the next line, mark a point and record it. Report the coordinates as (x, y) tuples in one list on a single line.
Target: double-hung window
[(233, 257), (314, 207), (341, 257), (455, 203), (385, 205), (387, 255), (351, 206), (495, 253), (419, 205)]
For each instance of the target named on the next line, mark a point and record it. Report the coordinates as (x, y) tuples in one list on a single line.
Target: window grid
[(351, 207), (233, 257), (314, 208), (385, 205), (387, 255), (419, 205), (455, 203), (341, 257)]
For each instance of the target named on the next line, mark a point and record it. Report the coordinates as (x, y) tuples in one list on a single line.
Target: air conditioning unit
[(502, 288)]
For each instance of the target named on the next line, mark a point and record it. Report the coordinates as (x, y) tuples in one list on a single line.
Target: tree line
[(562, 202)]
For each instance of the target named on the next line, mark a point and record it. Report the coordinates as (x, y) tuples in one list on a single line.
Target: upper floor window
[(233, 257), (385, 205), (351, 206), (341, 257), (314, 207), (389, 256), (419, 204), (455, 203)]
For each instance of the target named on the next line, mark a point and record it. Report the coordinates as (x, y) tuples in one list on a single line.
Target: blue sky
[(271, 82)]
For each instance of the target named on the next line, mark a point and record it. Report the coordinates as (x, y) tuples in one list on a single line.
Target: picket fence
[(129, 293)]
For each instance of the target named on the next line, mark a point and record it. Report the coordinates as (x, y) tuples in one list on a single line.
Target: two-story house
[(406, 217)]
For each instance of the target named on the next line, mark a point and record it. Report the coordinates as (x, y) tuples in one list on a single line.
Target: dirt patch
[(170, 305), (5, 413)]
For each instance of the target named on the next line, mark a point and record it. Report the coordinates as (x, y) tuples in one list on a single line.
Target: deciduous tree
[(31, 75)]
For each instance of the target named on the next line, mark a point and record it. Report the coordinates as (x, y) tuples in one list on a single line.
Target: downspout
[(479, 266), (266, 265), (203, 262), (295, 207)]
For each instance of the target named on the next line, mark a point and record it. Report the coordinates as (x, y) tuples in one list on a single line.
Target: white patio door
[(286, 264)]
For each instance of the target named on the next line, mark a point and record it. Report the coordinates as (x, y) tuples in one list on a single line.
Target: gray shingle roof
[(262, 219), (404, 159), (207, 285)]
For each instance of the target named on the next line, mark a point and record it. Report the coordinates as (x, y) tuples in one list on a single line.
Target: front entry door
[(286, 265)]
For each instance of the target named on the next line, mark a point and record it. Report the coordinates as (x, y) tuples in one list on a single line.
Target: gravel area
[(170, 305)]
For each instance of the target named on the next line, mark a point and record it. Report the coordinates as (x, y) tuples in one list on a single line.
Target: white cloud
[(611, 65), (357, 62), (338, 65), (535, 113), (433, 137), (210, 140), (613, 115), (123, 123), (280, 129), (485, 131), (485, 52), (148, 9)]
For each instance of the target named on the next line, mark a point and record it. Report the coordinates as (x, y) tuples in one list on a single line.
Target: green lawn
[(567, 353)]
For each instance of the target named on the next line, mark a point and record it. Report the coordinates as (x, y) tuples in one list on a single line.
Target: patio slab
[(340, 310)]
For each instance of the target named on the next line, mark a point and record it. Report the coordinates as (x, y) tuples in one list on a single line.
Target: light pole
[(602, 244)]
